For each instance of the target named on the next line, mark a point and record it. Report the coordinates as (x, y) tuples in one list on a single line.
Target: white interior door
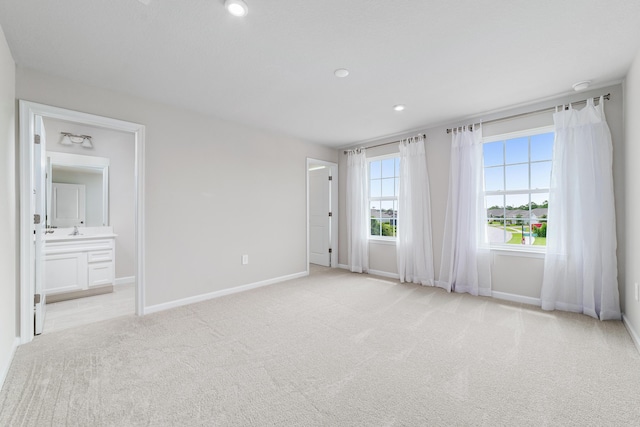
[(68, 206), (319, 215), (39, 191)]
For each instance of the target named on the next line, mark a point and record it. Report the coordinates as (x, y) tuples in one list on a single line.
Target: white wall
[(631, 307), (215, 190), (516, 275), (119, 148), (8, 216)]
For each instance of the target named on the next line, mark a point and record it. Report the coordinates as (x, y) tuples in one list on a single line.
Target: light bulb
[(236, 7)]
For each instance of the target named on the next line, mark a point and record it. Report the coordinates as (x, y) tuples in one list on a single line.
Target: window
[(383, 195), (517, 175)]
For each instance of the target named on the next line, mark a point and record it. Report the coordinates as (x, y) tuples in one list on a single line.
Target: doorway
[(322, 213), (33, 201)]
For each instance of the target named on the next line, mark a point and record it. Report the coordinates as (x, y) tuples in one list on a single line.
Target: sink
[(75, 232), (83, 233)]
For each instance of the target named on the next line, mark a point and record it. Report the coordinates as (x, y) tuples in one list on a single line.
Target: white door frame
[(333, 244), (28, 112)]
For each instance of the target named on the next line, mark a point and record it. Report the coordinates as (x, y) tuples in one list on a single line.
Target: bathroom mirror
[(77, 190)]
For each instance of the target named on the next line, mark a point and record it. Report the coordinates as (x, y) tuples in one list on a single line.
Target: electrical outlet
[(245, 259), (636, 289)]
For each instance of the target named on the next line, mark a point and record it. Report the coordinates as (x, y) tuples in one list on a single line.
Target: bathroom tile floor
[(82, 311)]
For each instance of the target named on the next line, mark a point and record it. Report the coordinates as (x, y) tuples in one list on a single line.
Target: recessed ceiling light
[(236, 7), (398, 107), (341, 72), (581, 85)]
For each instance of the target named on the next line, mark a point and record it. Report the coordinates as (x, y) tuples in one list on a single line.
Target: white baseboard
[(221, 293), (494, 294), (384, 274), (375, 272), (6, 363), (515, 298), (634, 334), (124, 280)]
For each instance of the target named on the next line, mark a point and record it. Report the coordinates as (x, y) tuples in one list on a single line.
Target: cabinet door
[(101, 273), (65, 272)]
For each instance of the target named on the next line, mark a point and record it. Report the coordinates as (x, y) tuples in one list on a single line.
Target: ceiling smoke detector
[(341, 72), (398, 107), (236, 7)]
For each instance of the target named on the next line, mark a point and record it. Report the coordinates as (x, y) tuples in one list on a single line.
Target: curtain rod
[(389, 143), (543, 110)]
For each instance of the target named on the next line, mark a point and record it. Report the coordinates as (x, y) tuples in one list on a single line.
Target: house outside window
[(517, 175), (384, 174)]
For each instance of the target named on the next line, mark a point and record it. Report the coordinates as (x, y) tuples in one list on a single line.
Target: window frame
[(505, 247), (380, 239)]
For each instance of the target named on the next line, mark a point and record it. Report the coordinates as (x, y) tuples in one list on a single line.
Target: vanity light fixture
[(236, 7), (70, 139), (398, 107)]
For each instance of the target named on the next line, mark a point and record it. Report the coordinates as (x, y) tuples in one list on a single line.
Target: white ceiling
[(273, 69)]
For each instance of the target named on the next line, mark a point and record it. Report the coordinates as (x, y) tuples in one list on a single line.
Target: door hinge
[(36, 139), (330, 178), (36, 218), (330, 250), (330, 213), (36, 299)]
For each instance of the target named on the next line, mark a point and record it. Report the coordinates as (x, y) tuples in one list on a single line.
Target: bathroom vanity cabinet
[(79, 265)]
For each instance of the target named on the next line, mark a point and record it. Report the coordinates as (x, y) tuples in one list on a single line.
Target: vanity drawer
[(101, 273), (100, 256)]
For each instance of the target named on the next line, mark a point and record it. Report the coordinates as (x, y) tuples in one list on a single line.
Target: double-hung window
[(384, 173), (517, 174)]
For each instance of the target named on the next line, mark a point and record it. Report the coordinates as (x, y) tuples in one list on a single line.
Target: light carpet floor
[(332, 349)]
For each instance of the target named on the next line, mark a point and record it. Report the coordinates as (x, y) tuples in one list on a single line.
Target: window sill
[(528, 252), (379, 241)]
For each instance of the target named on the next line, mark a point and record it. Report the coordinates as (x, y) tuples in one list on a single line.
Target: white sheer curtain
[(357, 211), (580, 267), (414, 248), (465, 253)]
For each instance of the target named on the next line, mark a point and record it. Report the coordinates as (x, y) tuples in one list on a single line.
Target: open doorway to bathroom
[(89, 248), (82, 218)]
